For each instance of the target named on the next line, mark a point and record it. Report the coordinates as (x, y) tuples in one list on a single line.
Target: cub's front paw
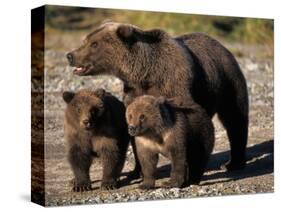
[(81, 186), (109, 185)]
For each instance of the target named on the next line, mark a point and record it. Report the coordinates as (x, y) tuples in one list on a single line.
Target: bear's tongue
[(79, 70)]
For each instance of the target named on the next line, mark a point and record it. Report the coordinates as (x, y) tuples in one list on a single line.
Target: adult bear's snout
[(70, 58)]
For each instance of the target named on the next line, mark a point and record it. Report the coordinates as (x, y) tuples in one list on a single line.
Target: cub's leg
[(148, 161), (179, 170), (80, 161), (112, 160)]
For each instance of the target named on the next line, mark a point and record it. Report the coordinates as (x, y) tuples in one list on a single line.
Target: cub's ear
[(178, 104), (127, 100), (68, 96), (160, 100), (100, 93), (175, 102), (126, 32)]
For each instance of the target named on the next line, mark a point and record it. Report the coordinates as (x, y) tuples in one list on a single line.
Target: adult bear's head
[(117, 49)]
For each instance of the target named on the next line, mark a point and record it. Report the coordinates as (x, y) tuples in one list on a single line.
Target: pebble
[(59, 77)]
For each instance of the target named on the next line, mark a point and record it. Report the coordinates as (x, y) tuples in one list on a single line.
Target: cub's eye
[(142, 117), (94, 111), (100, 105), (78, 110), (130, 116), (94, 45)]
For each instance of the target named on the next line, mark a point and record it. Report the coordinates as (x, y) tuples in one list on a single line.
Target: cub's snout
[(88, 124), (133, 130)]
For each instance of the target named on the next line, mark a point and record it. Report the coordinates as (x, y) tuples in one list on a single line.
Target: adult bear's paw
[(233, 165), (109, 185), (133, 175)]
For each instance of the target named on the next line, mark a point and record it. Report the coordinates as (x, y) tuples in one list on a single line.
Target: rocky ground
[(257, 177)]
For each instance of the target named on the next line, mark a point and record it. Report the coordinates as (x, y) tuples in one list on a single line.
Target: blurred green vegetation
[(231, 29)]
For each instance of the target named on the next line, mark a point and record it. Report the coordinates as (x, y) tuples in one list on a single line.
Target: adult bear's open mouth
[(81, 70)]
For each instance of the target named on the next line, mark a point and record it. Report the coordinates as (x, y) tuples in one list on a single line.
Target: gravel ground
[(257, 177)]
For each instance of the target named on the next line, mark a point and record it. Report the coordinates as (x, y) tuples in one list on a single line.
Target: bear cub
[(184, 135), (95, 126)]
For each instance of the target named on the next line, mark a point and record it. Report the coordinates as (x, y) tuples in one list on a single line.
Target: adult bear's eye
[(94, 45)]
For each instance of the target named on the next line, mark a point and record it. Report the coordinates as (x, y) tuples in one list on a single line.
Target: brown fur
[(95, 126), (185, 136), (194, 67)]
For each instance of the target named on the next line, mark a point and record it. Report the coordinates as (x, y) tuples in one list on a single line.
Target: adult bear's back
[(215, 70)]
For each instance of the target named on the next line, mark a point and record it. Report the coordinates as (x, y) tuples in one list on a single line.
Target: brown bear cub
[(185, 136), (95, 126)]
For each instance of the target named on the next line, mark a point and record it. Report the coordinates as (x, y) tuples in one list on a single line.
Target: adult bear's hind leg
[(234, 116)]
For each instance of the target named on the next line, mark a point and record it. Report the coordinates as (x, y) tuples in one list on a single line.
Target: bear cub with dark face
[(95, 126), (184, 135)]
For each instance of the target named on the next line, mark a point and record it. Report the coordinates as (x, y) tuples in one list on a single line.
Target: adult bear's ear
[(132, 34), (68, 96), (126, 32), (152, 36), (100, 93)]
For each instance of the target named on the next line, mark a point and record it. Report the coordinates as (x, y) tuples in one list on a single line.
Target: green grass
[(242, 30)]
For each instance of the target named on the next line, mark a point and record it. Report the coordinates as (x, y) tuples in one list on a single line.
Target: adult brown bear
[(195, 67)]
